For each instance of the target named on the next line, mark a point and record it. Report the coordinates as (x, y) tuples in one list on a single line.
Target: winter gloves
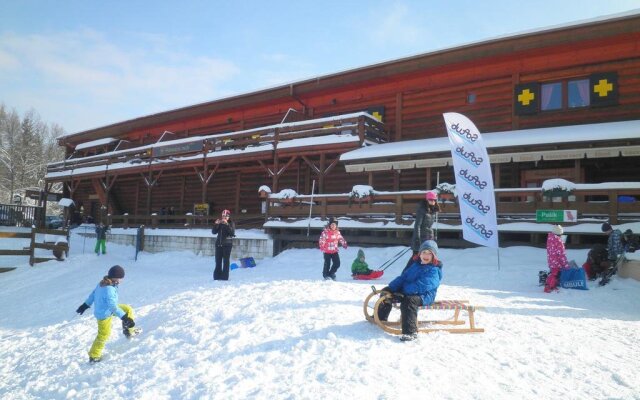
[(127, 322), (84, 307)]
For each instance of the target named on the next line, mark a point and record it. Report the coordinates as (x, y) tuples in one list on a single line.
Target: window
[(551, 96), (471, 98), (578, 93)]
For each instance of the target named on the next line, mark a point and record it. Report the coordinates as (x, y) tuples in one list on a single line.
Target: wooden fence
[(56, 248), (15, 215)]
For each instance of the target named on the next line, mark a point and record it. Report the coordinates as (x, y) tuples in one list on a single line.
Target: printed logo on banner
[(469, 156), (475, 204), (465, 134), (474, 180), (479, 228)]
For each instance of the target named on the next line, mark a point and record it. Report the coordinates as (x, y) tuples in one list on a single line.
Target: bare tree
[(26, 146)]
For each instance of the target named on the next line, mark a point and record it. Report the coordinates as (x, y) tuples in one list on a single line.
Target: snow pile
[(558, 185), (264, 188), (279, 331), (284, 194), (361, 191)]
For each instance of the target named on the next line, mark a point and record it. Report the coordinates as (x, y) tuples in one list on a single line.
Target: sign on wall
[(556, 215)]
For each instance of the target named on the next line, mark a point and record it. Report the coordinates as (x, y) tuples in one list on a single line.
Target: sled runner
[(424, 326), (371, 276)]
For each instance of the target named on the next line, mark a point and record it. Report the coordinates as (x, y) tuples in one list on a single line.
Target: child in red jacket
[(330, 240)]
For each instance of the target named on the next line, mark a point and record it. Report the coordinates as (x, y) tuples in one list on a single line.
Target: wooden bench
[(424, 326)]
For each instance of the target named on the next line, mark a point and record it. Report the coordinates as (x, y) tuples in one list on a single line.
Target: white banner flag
[(474, 182)]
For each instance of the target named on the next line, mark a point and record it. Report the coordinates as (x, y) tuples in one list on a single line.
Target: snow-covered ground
[(278, 331)]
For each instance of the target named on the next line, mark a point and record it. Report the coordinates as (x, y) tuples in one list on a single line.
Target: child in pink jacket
[(556, 257), (330, 240)]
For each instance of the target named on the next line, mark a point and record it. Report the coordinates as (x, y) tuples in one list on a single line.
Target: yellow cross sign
[(603, 88), (377, 116), (526, 97)]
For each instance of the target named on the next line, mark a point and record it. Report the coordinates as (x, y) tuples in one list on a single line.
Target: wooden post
[(32, 247)]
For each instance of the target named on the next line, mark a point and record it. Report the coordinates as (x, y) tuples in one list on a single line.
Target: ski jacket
[(225, 233), (105, 297), (359, 267), (331, 240), (419, 279), (614, 245), (424, 221), (101, 232), (556, 255)]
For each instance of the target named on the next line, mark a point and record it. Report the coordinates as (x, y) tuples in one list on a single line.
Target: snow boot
[(542, 278), (131, 332), (409, 337), (94, 360)]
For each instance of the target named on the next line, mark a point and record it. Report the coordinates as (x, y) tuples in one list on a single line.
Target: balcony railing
[(614, 205)]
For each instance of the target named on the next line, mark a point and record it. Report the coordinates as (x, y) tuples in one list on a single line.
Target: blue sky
[(84, 64)]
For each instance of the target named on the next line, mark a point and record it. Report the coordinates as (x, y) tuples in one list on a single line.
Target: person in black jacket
[(225, 228), (422, 231)]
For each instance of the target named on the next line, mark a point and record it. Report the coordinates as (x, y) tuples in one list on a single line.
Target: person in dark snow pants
[(416, 286), (422, 231), (330, 240), (225, 228)]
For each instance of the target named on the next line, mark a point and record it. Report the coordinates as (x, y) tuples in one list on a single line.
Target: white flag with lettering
[(474, 182)]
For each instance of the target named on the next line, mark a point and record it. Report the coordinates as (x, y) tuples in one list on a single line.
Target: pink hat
[(431, 196)]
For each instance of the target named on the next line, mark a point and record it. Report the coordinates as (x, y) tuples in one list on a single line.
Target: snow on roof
[(95, 143), (524, 137)]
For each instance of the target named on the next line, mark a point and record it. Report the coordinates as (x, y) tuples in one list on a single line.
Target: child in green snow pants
[(104, 331)]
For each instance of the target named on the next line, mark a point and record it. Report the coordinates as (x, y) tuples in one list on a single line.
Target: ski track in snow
[(278, 331)]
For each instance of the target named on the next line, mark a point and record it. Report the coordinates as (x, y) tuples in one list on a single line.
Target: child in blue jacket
[(105, 298), (418, 286)]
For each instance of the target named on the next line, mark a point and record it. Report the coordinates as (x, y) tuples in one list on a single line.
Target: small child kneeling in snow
[(360, 266)]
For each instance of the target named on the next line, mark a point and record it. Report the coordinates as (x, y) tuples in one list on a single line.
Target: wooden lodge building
[(562, 102)]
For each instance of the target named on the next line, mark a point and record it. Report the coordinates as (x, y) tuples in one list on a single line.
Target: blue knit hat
[(430, 245)]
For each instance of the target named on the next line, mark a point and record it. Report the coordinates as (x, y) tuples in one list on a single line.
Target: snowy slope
[(278, 331)]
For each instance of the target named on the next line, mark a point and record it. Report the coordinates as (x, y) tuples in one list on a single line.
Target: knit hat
[(558, 230), (226, 212), (360, 253), (116, 272), (431, 196), (333, 220), (430, 245), (606, 227)]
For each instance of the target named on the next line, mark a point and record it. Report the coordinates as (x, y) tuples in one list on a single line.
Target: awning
[(380, 157)]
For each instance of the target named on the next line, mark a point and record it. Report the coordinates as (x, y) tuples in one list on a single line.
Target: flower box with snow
[(361, 193), (264, 191)]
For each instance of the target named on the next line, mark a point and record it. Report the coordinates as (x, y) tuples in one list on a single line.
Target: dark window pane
[(578, 93), (551, 96)]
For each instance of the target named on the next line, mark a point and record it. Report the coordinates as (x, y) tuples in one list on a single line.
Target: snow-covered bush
[(361, 192), (557, 187), (446, 188)]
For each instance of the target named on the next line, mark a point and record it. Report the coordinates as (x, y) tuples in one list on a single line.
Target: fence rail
[(56, 248)]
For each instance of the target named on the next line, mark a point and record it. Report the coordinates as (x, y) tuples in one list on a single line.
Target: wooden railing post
[(613, 206)]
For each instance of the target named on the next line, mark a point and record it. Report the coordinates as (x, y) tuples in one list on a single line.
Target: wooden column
[(398, 117)]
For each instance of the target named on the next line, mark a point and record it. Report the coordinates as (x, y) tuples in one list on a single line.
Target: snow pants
[(329, 270), (104, 331), (221, 272), (101, 244), (409, 312)]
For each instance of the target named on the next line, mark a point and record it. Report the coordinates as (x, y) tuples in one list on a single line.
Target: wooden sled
[(424, 326)]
